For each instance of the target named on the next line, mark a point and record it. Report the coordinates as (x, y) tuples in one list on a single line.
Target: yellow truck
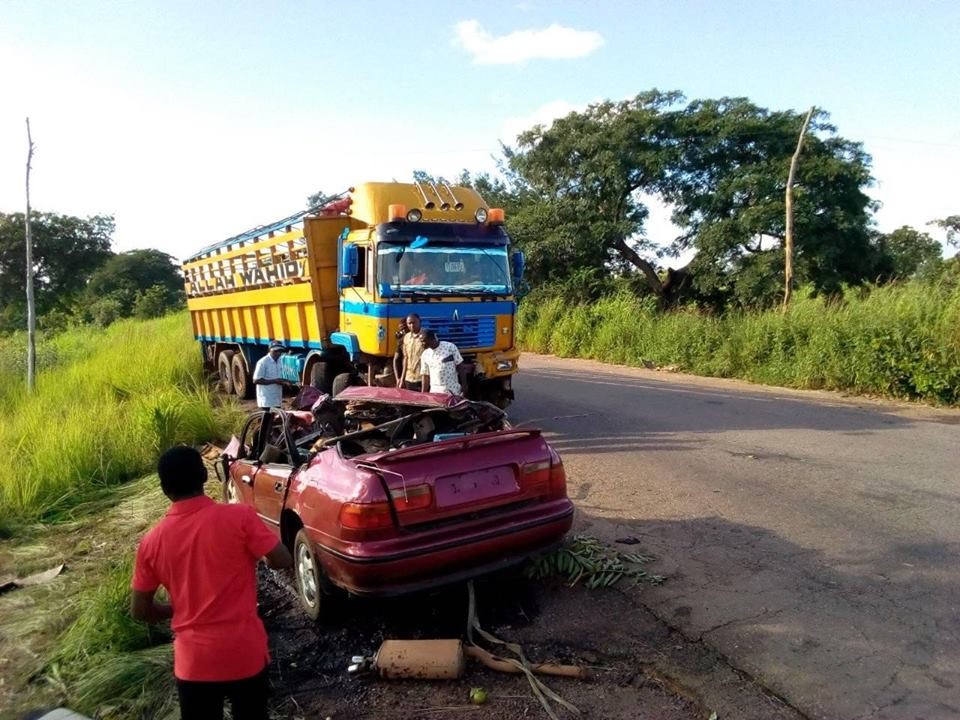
[(334, 282)]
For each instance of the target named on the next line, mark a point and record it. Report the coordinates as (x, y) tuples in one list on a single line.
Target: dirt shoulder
[(641, 669)]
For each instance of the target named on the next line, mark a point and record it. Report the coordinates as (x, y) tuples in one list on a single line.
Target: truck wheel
[(308, 574), (320, 376), (242, 386), (341, 382), (225, 372)]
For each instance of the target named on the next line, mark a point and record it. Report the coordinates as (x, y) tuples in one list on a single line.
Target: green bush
[(897, 340)]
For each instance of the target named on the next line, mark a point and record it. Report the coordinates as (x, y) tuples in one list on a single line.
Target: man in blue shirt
[(268, 379)]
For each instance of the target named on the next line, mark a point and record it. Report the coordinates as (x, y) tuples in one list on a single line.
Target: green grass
[(108, 664), (900, 341), (107, 403)]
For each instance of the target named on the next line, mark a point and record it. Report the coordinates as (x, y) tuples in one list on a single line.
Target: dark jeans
[(412, 386), (204, 700)]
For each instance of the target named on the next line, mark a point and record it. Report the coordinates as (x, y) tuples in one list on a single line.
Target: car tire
[(225, 371), (341, 382), (308, 575), (242, 386), (320, 376)]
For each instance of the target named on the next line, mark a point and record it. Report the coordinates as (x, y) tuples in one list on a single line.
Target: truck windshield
[(444, 268)]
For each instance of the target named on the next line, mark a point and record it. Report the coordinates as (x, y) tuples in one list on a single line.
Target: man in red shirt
[(205, 554)]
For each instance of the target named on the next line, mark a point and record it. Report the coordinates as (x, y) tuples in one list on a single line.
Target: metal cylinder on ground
[(420, 659)]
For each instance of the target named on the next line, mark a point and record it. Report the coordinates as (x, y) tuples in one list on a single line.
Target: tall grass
[(901, 341), (107, 402), (110, 665)]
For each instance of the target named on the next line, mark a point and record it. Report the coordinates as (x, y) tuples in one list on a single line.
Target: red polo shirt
[(205, 554)]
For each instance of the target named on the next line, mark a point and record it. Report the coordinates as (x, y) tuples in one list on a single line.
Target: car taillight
[(558, 476), (366, 516), (417, 497), (535, 476)]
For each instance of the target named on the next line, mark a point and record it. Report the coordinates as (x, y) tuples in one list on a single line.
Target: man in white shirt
[(268, 379), (441, 366)]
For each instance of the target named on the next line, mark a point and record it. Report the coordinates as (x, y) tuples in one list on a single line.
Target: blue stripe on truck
[(428, 309)]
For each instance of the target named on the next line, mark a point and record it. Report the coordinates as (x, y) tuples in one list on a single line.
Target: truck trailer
[(333, 284)]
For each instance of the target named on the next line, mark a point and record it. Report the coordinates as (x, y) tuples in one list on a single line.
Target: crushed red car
[(383, 491)]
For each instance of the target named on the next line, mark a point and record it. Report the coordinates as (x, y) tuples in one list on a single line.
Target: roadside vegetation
[(107, 402), (78, 489), (900, 341)]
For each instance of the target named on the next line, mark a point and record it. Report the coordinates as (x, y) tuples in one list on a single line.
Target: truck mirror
[(349, 264), (385, 290), (519, 263)]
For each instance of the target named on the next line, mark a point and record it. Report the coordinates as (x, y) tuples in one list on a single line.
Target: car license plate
[(475, 486)]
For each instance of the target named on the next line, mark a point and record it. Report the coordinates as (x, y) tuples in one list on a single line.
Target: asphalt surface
[(812, 539)]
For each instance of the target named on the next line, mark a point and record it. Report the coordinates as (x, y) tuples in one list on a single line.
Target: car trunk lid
[(462, 476)]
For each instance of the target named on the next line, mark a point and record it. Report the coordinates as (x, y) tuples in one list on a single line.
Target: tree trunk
[(788, 240), (649, 272), (31, 310)]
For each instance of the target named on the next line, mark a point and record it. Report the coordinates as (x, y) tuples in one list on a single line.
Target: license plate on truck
[(474, 486)]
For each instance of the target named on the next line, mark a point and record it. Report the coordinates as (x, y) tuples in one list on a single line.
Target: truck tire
[(308, 574), (341, 382), (242, 385), (225, 371), (320, 376)]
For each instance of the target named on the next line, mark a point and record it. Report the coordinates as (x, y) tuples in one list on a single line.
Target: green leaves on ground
[(586, 559)]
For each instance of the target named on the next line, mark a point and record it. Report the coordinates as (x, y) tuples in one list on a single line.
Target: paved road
[(812, 539)]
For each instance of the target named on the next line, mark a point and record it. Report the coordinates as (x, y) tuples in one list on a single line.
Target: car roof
[(396, 396)]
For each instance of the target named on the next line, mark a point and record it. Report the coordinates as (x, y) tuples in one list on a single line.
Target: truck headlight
[(504, 364)]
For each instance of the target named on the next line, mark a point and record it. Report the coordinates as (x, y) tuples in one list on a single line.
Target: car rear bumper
[(421, 561)]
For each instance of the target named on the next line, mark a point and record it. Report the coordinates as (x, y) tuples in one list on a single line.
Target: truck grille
[(468, 332)]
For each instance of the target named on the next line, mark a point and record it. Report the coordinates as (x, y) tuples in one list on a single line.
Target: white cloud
[(551, 43), (543, 115)]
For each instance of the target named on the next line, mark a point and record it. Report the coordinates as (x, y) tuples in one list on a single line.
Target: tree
[(905, 252), (728, 193), (587, 174), (722, 165), (127, 275), (952, 225), (66, 252)]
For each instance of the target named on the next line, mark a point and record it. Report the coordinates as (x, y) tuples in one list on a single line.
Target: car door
[(278, 458), (244, 469)]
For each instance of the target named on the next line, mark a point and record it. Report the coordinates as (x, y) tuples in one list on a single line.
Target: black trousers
[(204, 700)]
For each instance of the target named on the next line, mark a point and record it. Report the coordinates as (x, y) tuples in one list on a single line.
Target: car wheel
[(225, 372), (308, 573)]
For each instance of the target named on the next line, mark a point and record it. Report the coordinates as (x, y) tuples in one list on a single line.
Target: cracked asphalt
[(813, 539)]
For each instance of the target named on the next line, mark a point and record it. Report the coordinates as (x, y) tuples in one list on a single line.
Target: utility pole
[(31, 310), (788, 239)]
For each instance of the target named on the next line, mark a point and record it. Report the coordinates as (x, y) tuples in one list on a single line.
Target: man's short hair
[(182, 472), (412, 315), (430, 336)]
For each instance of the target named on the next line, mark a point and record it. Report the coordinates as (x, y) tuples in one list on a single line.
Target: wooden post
[(31, 309), (788, 236)]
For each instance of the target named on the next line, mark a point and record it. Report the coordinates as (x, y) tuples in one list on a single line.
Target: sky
[(191, 122)]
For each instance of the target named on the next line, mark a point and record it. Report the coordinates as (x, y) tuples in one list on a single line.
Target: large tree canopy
[(722, 165), (66, 250), (906, 252), (135, 271)]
